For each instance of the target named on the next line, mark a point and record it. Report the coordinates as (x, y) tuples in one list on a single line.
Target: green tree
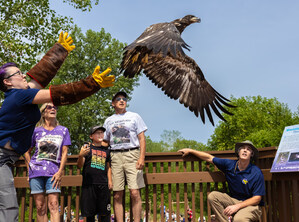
[(152, 146), (184, 143), (168, 137), (171, 140), (256, 118), (28, 28), (82, 4), (92, 49)]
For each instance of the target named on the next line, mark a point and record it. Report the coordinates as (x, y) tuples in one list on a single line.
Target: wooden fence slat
[(201, 199), (185, 200), (69, 202), (30, 208), (66, 181), (295, 199), (169, 196), (184, 177), (193, 201), (23, 201), (154, 196), (275, 201), (146, 203), (162, 195), (169, 202), (177, 200), (269, 200)]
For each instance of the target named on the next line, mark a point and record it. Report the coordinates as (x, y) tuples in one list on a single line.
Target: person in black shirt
[(97, 180)]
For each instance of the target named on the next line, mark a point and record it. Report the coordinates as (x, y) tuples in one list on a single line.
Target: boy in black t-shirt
[(97, 180)]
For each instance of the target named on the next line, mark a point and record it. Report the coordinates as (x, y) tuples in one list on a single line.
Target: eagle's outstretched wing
[(181, 78), (161, 37), (159, 51)]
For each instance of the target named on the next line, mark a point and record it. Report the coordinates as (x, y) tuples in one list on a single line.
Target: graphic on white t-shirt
[(48, 147), (120, 134)]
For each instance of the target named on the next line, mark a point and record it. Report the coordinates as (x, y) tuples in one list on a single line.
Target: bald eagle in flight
[(158, 52)]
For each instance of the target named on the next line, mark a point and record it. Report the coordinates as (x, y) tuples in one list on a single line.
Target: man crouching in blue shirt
[(245, 182)]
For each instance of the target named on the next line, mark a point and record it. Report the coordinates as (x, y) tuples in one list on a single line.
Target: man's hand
[(185, 151), (140, 164), (102, 79), (85, 149), (66, 42), (230, 210), (57, 179), (110, 185)]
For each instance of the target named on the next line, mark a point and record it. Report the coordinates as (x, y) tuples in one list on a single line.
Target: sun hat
[(249, 143)]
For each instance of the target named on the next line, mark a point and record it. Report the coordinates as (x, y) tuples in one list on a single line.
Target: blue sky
[(244, 48)]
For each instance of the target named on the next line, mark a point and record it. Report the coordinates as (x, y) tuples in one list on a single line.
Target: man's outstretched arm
[(200, 154)]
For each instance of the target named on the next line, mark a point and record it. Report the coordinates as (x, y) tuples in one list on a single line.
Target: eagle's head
[(182, 23)]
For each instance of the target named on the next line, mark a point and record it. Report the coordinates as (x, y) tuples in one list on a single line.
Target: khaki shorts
[(123, 166)]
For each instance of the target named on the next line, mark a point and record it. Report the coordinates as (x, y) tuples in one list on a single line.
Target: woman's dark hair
[(3, 74)]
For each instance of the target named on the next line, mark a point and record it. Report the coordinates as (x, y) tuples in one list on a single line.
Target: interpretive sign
[(287, 155)]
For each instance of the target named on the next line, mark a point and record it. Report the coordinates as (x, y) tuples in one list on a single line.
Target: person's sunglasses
[(51, 107), (16, 73), (121, 98)]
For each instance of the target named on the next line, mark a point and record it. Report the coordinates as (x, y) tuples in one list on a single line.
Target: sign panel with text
[(287, 155)]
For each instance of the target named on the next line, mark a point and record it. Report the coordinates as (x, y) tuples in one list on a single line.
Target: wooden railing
[(177, 182)]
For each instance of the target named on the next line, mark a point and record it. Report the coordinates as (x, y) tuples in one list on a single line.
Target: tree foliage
[(82, 4), (184, 143), (92, 49), (28, 28), (155, 147), (171, 140), (256, 118)]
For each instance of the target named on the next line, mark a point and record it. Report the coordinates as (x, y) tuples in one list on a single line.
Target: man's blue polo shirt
[(18, 117), (242, 184)]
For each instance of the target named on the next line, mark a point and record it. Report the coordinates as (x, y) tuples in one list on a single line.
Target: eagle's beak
[(195, 19)]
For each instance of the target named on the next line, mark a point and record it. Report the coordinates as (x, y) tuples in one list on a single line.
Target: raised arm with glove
[(45, 70), (70, 93)]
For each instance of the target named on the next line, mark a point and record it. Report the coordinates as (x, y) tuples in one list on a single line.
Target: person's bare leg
[(136, 204), (118, 205), (53, 205), (41, 207)]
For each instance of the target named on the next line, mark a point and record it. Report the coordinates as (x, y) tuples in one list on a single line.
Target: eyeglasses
[(121, 98), (51, 107), (16, 73)]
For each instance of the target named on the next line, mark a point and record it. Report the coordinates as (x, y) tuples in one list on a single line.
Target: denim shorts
[(42, 184)]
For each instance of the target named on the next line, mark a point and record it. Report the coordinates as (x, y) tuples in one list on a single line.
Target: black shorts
[(95, 199)]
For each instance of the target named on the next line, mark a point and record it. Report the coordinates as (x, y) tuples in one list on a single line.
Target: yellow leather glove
[(66, 42), (102, 79)]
